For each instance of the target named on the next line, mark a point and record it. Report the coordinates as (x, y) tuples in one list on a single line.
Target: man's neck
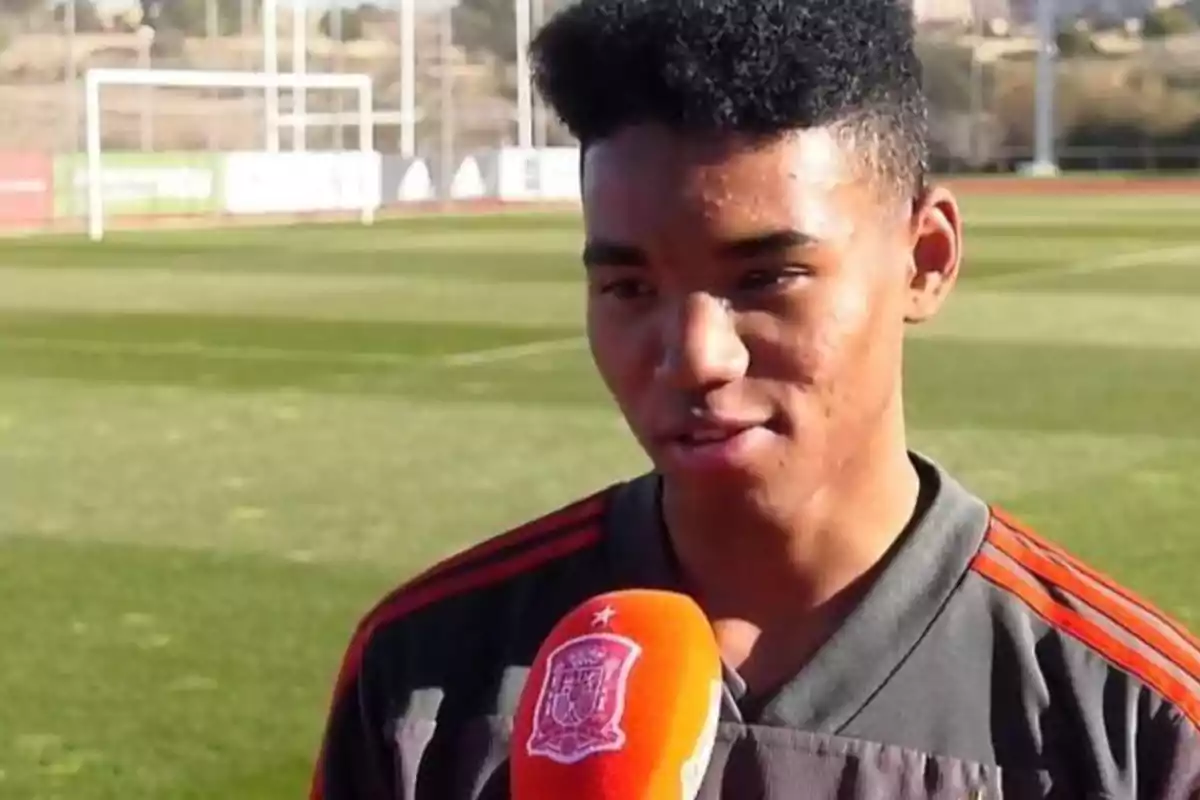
[(788, 574)]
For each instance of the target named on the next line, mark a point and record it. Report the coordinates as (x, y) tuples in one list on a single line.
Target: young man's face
[(747, 303)]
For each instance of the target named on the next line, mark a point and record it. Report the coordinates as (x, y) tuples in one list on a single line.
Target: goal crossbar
[(98, 77)]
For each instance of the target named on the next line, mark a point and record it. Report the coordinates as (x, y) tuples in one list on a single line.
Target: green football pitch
[(217, 449)]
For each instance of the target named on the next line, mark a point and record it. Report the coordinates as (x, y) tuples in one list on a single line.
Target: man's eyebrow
[(598, 252), (768, 243)]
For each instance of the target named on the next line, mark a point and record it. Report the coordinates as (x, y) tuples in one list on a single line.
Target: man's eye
[(765, 279), (627, 288)]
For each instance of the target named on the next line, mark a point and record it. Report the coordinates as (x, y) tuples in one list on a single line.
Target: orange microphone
[(621, 703)]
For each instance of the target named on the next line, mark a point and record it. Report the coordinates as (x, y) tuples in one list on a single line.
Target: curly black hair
[(758, 68)]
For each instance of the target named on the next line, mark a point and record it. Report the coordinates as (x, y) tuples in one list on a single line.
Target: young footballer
[(759, 232)]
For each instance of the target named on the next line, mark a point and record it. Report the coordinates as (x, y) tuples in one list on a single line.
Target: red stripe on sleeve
[(1073, 623)]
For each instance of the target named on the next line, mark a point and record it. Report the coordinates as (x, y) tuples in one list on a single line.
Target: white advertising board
[(259, 182), (514, 174), (549, 173)]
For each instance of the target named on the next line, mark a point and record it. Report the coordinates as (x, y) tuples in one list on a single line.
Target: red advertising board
[(26, 190)]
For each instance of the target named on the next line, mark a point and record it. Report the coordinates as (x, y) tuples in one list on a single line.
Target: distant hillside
[(1021, 12)]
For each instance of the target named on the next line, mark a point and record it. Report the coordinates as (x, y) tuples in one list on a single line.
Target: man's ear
[(936, 239)]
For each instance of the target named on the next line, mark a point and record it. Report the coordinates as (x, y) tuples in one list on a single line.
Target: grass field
[(218, 448)]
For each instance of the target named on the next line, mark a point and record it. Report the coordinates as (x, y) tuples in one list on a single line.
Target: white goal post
[(212, 79)]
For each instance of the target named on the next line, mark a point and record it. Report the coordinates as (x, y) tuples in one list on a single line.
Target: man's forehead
[(645, 177), (813, 154)]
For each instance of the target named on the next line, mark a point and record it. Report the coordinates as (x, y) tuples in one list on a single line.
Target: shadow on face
[(738, 285)]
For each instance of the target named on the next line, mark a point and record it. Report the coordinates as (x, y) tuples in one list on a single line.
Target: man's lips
[(715, 446), (709, 429)]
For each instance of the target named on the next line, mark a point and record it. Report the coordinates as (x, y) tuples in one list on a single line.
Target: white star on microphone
[(602, 617)]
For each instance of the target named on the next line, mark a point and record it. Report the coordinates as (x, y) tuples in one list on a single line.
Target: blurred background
[(1117, 86)]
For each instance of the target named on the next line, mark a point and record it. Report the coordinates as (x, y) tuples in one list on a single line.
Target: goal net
[(243, 177)]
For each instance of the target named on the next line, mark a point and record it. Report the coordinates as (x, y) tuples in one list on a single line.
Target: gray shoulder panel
[(1042, 666), (1109, 684)]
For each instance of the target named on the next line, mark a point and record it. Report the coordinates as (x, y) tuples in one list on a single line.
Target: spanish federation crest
[(579, 709)]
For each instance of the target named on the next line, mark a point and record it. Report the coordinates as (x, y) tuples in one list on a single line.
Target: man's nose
[(701, 347)]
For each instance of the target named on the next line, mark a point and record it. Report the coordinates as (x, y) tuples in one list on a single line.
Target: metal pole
[(976, 84), (204, 78), (366, 143), (145, 42), (524, 88), (337, 33), (270, 34), (211, 31), (408, 79), (94, 172), (446, 104), (71, 84), (1044, 158), (541, 115), (299, 68), (246, 22)]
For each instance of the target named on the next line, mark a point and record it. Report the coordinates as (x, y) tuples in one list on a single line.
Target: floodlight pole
[(71, 84), (299, 69), (366, 144), (270, 34), (408, 79), (1045, 161), (95, 173), (539, 114), (524, 85)]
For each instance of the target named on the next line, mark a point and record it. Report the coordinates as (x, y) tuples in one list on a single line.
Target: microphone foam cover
[(622, 701)]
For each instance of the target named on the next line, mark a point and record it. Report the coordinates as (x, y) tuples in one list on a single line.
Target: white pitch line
[(1139, 258), (239, 352), (243, 353), (1090, 219), (511, 352), (1089, 266)]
